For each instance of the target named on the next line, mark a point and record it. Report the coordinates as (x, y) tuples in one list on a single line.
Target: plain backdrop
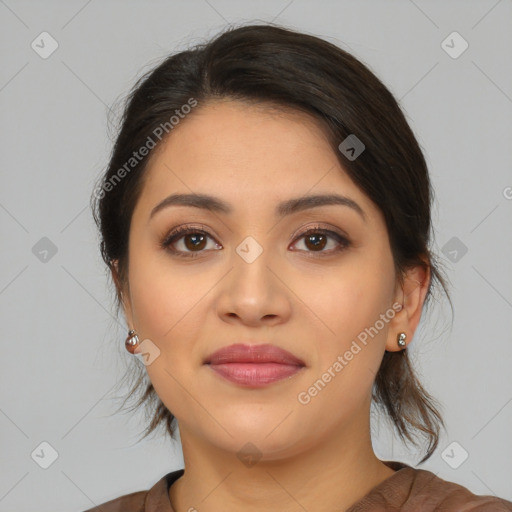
[(62, 344)]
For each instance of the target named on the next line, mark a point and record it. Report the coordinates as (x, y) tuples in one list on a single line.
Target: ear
[(411, 295), (123, 294)]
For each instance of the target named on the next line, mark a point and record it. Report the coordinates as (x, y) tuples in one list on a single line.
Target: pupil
[(317, 242), (196, 240)]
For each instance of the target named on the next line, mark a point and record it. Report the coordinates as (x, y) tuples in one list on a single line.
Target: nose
[(253, 293)]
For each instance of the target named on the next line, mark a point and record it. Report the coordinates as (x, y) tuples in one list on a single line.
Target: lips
[(254, 366), (240, 353)]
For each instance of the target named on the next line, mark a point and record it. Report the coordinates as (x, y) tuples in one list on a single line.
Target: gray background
[(62, 346)]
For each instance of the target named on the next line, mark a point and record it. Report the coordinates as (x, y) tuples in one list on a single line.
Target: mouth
[(254, 366)]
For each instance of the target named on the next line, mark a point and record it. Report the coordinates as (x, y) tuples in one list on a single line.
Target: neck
[(329, 475)]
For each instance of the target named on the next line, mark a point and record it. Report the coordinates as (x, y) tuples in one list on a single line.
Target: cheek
[(351, 306), (354, 299), (348, 361), (166, 307), (163, 298), (169, 308)]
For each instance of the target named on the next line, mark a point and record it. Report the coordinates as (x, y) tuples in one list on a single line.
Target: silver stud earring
[(401, 339)]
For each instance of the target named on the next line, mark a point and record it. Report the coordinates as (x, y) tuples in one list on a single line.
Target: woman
[(266, 219)]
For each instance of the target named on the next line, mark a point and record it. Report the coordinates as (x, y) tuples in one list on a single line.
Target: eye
[(316, 239), (187, 240), (190, 241)]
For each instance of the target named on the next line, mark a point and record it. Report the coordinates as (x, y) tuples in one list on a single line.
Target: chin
[(269, 438)]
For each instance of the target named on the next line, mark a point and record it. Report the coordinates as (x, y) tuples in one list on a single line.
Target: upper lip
[(242, 353)]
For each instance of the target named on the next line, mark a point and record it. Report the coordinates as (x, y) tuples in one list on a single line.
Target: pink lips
[(254, 365)]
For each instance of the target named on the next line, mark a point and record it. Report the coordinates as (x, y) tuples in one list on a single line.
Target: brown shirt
[(407, 490)]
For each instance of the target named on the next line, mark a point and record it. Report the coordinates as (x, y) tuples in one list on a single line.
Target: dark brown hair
[(271, 65)]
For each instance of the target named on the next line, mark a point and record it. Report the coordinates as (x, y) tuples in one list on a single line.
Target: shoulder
[(410, 489), (155, 499), (133, 502), (428, 487)]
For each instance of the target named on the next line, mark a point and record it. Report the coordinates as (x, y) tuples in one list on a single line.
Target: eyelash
[(180, 232)]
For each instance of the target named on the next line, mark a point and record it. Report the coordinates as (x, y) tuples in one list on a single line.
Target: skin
[(311, 302)]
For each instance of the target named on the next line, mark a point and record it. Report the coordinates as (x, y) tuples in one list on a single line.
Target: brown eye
[(194, 241), (191, 242), (316, 240), (187, 242)]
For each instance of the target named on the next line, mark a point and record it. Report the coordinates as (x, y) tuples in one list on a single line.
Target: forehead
[(224, 131), (247, 154)]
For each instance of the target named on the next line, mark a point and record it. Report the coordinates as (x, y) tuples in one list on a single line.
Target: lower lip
[(255, 375)]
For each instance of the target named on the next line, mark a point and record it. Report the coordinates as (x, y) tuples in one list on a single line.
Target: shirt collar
[(158, 499)]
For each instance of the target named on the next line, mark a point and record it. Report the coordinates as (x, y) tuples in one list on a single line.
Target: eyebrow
[(284, 208)]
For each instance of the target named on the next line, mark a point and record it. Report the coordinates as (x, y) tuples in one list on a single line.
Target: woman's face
[(254, 278)]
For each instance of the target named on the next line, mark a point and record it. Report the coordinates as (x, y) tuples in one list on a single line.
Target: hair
[(273, 66)]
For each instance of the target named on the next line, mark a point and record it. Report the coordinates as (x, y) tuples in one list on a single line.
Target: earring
[(132, 341), (401, 340)]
